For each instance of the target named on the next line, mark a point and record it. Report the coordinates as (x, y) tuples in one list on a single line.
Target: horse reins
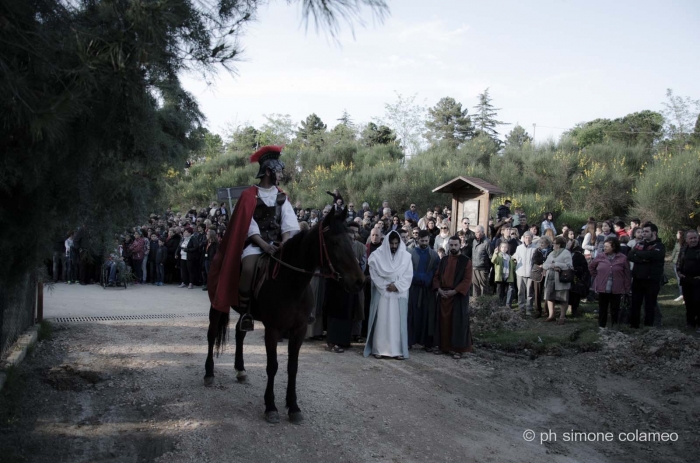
[(323, 252)]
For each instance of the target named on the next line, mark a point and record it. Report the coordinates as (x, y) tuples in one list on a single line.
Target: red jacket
[(137, 248), (600, 269)]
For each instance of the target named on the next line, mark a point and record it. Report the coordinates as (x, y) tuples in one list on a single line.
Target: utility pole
[(534, 131)]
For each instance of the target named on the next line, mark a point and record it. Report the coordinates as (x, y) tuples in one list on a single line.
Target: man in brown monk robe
[(452, 281)]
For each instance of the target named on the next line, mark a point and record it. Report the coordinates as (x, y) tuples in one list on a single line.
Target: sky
[(549, 63)]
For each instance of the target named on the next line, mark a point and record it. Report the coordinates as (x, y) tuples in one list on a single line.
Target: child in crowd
[(504, 273), (161, 256)]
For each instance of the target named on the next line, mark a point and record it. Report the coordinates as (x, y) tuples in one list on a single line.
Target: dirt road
[(132, 391)]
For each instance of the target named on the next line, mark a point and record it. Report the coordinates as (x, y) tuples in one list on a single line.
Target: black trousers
[(540, 295), (691, 299), (184, 273), (194, 271), (605, 301), (643, 291), (574, 302), (152, 266)]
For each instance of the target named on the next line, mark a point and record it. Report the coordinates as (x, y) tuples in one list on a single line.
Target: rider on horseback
[(261, 222)]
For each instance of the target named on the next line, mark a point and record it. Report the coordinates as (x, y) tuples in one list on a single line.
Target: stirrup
[(246, 322)]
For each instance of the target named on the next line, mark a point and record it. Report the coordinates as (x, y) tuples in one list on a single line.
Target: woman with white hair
[(555, 290)]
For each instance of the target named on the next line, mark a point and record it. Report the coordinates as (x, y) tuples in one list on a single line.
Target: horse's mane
[(296, 242)]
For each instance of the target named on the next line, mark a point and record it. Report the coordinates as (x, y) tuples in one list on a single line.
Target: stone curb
[(18, 351)]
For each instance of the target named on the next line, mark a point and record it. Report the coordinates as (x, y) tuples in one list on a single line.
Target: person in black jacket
[(172, 243), (210, 248), (336, 198), (582, 276), (688, 268), (152, 252), (648, 257), (194, 256), (161, 257)]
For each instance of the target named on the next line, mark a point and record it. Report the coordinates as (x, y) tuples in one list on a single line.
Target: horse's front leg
[(241, 374), (296, 339), (271, 413)]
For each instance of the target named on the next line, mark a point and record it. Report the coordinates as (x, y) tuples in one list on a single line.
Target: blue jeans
[(160, 272), (112, 265)]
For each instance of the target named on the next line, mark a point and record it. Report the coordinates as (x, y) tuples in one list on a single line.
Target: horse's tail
[(221, 333)]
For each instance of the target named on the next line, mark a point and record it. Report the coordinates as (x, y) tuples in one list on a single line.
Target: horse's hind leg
[(211, 338), (241, 375), (296, 339), (271, 413), (216, 337)]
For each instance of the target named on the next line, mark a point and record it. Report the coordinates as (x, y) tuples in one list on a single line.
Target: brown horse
[(285, 302)]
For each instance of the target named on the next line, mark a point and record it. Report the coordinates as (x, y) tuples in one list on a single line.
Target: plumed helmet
[(268, 158)]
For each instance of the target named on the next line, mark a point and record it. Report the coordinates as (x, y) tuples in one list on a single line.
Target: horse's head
[(340, 252)]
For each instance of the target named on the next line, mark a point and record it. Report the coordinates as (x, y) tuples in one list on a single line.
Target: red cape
[(225, 270)]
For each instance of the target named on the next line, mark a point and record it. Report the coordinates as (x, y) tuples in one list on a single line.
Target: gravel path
[(133, 392)]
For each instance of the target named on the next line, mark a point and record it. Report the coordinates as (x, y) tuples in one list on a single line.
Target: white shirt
[(289, 219)]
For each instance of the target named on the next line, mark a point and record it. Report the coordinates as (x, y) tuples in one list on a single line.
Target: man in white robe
[(391, 270)]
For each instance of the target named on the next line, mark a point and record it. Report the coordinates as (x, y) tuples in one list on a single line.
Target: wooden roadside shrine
[(471, 197)]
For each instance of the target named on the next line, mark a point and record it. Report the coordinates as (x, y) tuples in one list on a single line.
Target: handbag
[(537, 273), (566, 276), (623, 317)]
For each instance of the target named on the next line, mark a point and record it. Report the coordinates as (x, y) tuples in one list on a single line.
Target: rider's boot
[(247, 322)]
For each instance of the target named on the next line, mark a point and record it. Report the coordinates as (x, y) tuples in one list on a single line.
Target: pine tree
[(93, 114), (311, 132), (346, 120), (485, 116), (695, 139), (448, 123), (374, 135), (517, 137)]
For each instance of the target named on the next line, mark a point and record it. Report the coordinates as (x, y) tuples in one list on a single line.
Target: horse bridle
[(323, 252)]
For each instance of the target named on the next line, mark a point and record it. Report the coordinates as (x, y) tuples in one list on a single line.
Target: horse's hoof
[(272, 417), (209, 381), (296, 418), (241, 375)]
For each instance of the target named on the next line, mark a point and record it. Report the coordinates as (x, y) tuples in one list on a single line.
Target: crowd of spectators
[(172, 247), (525, 262)]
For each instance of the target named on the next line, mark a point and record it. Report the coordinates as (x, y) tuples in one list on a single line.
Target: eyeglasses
[(443, 228), (513, 235), (351, 205)]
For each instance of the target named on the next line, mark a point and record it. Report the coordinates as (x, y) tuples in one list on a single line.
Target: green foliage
[(485, 117), (448, 123), (45, 330), (668, 193), (93, 113), (311, 132), (277, 130), (517, 137), (381, 135), (643, 128), (695, 138), (680, 113)]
